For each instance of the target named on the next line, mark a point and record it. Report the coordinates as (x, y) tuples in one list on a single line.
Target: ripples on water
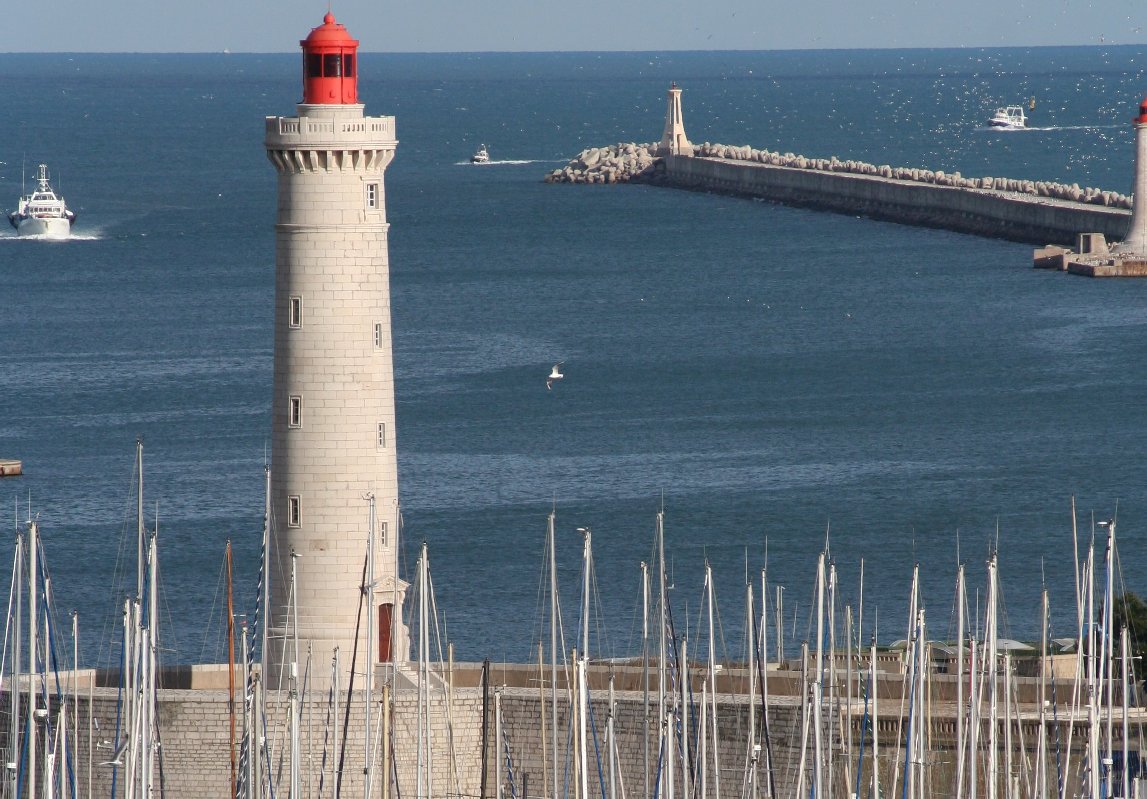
[(759, 372)]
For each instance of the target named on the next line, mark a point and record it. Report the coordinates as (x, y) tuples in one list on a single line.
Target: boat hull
[(45, 227)]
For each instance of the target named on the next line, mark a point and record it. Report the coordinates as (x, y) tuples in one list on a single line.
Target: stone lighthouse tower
[(673, 138), (1136, 241), (334, 473)]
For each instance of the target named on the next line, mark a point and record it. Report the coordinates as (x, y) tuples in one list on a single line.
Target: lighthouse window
[(381, 435), (377, 335), (294, 511), (348, 65), (314, 65), (332, 65), (382, 534), (295, 412), (372, 196), (296, 312)]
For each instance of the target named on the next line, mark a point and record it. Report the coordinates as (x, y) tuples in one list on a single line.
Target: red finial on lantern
[(330, 69)]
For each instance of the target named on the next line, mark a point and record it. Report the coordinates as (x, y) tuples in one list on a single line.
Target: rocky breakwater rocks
[(625, 162), (1037, 188), (617, 163)]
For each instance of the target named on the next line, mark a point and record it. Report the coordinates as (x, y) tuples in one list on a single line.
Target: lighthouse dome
[(330, 74)]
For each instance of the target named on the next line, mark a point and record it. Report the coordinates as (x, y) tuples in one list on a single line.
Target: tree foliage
[(1131, 611)]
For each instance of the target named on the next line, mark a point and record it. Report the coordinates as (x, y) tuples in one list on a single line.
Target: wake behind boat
[(480, 156), (42, 213)]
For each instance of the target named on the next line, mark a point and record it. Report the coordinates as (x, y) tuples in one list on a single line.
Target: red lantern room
[(1142, 118), (330, 75)]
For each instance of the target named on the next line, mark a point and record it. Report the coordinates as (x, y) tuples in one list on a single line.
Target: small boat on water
[(43, 212), (480, 156), (1009, 118)]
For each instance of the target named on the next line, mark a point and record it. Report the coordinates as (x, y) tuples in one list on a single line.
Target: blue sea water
[(762, 373)]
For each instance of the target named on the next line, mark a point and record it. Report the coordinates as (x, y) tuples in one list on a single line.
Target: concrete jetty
[(1031, 211), (1093, 256), (10, 468)]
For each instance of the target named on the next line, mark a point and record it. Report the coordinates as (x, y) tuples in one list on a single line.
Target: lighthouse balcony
[(311, 131)]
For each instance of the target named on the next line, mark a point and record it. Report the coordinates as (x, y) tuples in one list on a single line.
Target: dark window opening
[(348, 66), (332, 65), (314, 65)]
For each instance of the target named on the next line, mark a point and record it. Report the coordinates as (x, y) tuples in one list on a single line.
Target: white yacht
[(1009, 118), (481, 156), (42, 213)]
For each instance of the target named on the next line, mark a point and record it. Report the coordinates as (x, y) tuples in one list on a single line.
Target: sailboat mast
[(152, 661), (875, 717), (1108, 645), (550, 542), (296, 749), (645, 668), (1041, 746), (587, 565), (14, 686), (368, 649), (993, 681), (265, 624), (751, 659), (713, 680), (818, 683), (665, 739), (140, 527), (961, 755), (33, 650), (230, 667), (1125, 689)]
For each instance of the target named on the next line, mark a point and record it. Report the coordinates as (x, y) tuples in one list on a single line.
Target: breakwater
[(1035, 212)]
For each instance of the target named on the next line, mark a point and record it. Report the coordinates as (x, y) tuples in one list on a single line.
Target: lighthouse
[(673, 138), (1136, 241), (334, 470)]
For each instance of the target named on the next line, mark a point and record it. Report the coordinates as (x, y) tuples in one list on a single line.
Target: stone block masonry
[(196, 752)]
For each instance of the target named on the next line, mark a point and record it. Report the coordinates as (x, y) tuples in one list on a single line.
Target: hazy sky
[(517, 25)]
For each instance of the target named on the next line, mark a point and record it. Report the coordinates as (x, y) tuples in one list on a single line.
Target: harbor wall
[(985, 212), (196, 754)]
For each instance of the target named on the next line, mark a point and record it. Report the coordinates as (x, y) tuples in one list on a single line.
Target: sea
[(778, 382)]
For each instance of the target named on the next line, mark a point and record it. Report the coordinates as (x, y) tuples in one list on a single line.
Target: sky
[(243, 26)]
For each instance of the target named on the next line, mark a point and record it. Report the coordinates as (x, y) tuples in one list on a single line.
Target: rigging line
[(438, 638), (350, 685), (53, 658), (12, 589), (207, 631)]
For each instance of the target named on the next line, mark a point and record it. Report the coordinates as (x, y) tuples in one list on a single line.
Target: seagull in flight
[(555, 374)]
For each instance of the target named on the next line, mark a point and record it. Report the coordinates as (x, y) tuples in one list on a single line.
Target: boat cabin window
[(294, 511)]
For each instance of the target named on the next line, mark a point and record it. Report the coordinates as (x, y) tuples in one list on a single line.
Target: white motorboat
[(1009, 118), (42, 213), (480, 156)]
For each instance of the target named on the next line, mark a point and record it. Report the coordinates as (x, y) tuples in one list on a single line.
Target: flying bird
[(555, 374)]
